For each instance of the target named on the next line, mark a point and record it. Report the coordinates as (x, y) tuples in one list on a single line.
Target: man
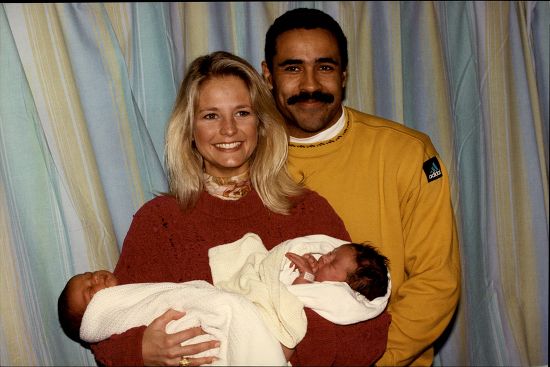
[(385, 180)]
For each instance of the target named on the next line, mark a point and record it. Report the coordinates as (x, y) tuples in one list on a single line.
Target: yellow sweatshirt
[(388, 184)]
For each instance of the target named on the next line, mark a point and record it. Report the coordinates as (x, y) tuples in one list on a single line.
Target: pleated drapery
[(86, 90)]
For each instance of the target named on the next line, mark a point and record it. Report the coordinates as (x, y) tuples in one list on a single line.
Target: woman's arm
[(121, 349), (161, 349), (327, 344), (142, 261), (126, 349), (288, 352), (151, 346)]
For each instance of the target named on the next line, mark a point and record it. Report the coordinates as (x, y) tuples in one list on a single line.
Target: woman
[(226, 149)]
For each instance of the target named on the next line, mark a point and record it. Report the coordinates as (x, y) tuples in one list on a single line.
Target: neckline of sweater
[(246, 206)]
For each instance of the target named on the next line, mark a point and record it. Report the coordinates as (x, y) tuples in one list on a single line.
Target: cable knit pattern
[(265, 278), (223, 315), (165, 244)]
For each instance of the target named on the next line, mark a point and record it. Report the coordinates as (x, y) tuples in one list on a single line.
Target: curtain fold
[(86, 90)]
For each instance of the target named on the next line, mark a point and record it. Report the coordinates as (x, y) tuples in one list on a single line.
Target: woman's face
[(225, 126)]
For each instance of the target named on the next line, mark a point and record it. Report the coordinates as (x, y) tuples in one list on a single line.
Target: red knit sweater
[(165, 244)]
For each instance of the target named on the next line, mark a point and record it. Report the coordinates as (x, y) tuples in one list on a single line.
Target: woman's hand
[(161, 349)]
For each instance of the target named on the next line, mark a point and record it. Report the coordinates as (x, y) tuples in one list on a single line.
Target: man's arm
[(425, 302)]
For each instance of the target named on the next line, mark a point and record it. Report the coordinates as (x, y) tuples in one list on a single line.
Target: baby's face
[(336, 265), (82, 287)]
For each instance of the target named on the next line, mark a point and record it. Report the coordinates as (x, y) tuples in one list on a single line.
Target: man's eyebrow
[(328, 60), (290, 62), (321, 60)]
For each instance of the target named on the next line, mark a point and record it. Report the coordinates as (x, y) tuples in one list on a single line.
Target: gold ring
[(184, 361)]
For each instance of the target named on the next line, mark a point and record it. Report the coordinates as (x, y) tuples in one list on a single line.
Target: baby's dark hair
[(69, 318), (371, 276)]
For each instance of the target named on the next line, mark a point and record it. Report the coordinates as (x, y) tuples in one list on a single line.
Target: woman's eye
[(209, 116), (243, 113)]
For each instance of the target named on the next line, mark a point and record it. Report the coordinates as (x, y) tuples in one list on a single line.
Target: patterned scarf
[(228, 188)]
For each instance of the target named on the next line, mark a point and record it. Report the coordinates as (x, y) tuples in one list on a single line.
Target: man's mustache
[(316, 96)]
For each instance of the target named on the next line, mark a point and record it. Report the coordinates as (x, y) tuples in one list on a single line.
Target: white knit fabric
[(229, 318), (246, 267)]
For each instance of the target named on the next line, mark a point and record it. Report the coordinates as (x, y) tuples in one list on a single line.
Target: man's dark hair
[(371, 276), (303, 18)]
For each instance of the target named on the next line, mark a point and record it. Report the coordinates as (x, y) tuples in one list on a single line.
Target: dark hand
[(305, 264)]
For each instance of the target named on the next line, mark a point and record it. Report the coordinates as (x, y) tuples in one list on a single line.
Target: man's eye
[(292, 68), (326, 68)]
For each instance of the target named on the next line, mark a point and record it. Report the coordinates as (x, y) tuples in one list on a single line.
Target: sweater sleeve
[(432, 266), (140, 252), (328, 344), (120, 350)]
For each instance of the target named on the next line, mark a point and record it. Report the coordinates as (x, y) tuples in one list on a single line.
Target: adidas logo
[(435, 172), (432, 169)]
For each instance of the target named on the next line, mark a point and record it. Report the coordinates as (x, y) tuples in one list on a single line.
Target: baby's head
[(359, 265), (75, 297)]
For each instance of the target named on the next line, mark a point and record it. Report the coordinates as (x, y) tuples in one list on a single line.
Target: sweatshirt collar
[(324, 135)]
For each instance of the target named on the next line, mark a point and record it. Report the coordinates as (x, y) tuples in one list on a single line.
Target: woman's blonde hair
[(184, 163)]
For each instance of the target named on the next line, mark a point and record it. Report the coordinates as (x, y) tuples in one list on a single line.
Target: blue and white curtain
[(86, 90)]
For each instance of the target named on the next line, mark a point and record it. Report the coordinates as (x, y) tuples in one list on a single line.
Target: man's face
[(307, 80)]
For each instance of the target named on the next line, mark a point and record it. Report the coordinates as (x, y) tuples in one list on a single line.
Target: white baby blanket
[(246, 267), (229, 318)]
